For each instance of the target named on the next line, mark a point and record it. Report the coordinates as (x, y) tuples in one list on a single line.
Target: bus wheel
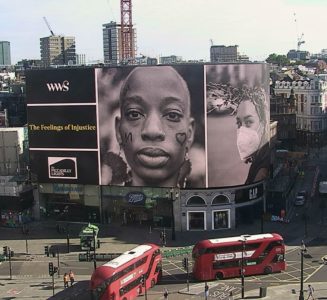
[(152, 283), (267, 270), (219, 276)]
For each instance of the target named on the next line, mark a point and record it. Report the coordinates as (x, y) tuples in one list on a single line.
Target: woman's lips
[(152, 157)]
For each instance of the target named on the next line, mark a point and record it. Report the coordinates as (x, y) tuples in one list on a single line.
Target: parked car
[(299, 200)]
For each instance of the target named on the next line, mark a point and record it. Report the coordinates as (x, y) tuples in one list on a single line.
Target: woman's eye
[(133, 115), (248, 123), (174, 116)]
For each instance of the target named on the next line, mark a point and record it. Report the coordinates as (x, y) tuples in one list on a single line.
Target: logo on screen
[(58, 87), (253, 193), (62, 167)]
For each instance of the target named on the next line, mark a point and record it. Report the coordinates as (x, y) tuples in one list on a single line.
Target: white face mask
[(248, 142)]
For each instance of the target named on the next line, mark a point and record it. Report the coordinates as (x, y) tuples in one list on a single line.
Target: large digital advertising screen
[(191, 126)]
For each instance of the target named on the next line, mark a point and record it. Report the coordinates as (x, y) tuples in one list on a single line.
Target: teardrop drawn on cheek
[(128, 137)]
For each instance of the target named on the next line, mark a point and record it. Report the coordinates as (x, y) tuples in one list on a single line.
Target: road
[(175, 277)]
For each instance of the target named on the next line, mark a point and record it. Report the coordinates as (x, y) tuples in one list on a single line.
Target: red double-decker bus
[(128, 275), (222, 258)]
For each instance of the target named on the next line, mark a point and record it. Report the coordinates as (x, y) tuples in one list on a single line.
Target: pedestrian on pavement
[(163, 238), (66, 279), (311, 291), (165, 293), (71, 277), (206, 291), (231, 297)]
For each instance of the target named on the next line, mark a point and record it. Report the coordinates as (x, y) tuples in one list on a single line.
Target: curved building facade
[(187, 144)]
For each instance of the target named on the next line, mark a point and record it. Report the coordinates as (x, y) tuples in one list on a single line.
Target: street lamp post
[(94, 251), (303, 250), (243, 241), (25, 232), (172, 199), (242, 268)]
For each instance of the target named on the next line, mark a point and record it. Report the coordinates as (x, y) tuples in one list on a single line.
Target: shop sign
[(67, 188), (249, 194), (136, 198)]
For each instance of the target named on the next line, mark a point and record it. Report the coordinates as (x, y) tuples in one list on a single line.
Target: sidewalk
[(37, 288), (284, 292)]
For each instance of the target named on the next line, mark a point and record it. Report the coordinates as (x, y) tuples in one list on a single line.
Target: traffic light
[(46, 251), (6, 251), (51, 270), (185, 263), (55, 269)]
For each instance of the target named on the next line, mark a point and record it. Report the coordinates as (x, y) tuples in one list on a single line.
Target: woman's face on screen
[(155, 127), (250, 129)]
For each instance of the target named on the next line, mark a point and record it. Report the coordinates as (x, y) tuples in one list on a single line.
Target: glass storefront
[(196, 220), (220, 219)]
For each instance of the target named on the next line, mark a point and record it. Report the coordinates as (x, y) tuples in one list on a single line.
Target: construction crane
[(128, 53), (300, 42), (299, 39), (48, 25)]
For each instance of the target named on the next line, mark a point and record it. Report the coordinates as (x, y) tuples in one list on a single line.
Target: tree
[(321, 66), (278, 59)]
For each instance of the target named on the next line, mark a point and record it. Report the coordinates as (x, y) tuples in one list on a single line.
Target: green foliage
[(278, 59)]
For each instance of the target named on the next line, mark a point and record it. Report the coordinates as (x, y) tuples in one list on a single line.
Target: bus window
[(225, 264), (158, 267), (278, 258)]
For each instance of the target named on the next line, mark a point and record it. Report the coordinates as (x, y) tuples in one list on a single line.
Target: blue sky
[(166, 27)]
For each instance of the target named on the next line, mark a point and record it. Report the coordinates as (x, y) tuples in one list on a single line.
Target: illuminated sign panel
[(191, 126)]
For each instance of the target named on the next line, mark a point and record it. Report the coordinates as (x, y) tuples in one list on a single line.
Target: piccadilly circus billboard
[(190, 126)]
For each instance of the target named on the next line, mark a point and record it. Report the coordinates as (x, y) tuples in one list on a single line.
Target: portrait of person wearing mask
[(237, 124), (154, 130), (253, 135)]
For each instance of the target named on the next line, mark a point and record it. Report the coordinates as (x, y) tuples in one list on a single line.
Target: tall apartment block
[(58, 50), (223, 54), (5, 58), (112, 43)]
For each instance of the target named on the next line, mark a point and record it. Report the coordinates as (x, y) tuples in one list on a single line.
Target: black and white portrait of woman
[(237, 124), (151, 126)]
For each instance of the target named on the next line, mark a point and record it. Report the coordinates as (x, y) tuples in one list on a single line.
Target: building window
[(220, 199), (220, 219), (196, 201), (196, 220)]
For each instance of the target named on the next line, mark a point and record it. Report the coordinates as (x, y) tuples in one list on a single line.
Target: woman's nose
[(152, 128)]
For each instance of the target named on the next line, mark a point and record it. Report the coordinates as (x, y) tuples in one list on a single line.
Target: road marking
[(14, 291), (314, 272)]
